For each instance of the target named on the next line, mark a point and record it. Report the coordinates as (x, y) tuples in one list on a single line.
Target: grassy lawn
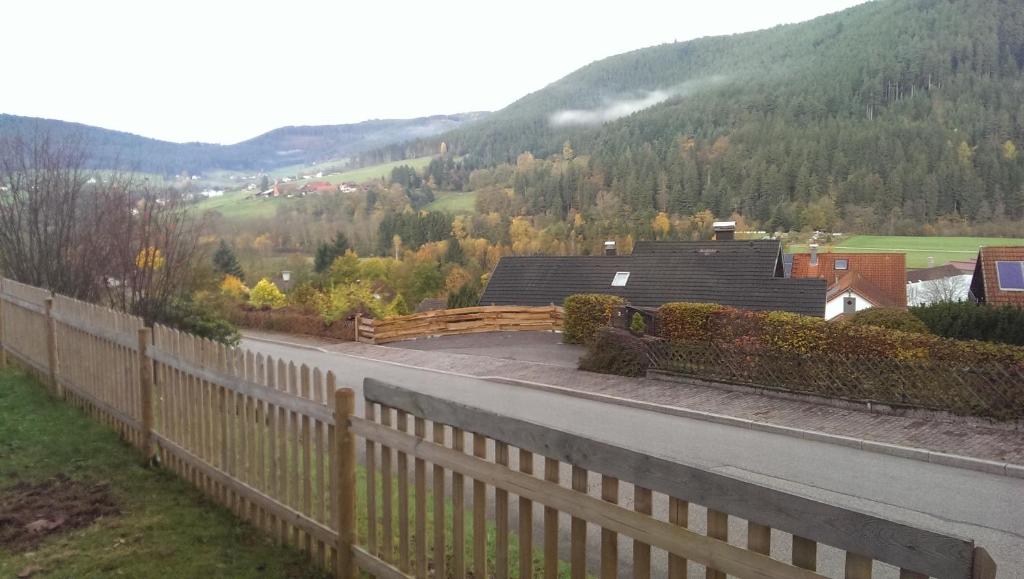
[(374, 171), (165, 528), (453, 202), (234, 206), (918, 249)]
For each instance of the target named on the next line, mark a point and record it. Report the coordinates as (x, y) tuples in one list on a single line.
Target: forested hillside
[(277, 148), (895, 111)]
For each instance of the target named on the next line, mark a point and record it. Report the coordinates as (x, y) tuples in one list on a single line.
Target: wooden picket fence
[(459, 321), (276, 443)]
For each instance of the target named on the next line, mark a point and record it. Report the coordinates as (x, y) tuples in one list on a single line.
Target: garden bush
[(792, 333), (969, 321), (266, 294), (614, 351), (890, 318), (585, 314)]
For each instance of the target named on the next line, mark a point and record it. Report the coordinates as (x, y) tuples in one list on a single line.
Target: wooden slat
[(479, 512), (370, 412), (759, 538), (525, 521), (678, 515), (718, 528), (551, 474), (894, 543), (578, 529), (458, 510), (642, 503), (386, 490), (345, 473), (501, 517), (705, 550), (857, 566), (609, 539), (805, 553), (403, 498), (421, 503), (440, 553)]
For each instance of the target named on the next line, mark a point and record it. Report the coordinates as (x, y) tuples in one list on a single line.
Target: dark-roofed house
[(741, 274), (999, 276)]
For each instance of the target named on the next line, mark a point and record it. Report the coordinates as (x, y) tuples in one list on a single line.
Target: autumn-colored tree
[(266, 294), (234, 288), (661, 225)]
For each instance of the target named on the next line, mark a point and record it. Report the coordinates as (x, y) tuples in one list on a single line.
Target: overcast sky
[(222, 72)]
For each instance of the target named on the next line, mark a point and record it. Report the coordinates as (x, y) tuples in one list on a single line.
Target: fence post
[(146, 392), (359, 320), (51, 347), (345, 475)]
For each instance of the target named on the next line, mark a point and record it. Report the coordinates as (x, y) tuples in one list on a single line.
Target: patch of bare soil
[(30, 512)]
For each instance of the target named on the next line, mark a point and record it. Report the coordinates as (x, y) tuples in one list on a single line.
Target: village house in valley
[(999, 276), (855, 281)]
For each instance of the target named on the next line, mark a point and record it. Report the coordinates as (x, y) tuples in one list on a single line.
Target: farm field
[(453, 201), (239, 206), (918, 249)]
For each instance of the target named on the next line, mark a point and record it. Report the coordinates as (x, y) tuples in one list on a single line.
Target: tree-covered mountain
[(278, 148), (893, 110)]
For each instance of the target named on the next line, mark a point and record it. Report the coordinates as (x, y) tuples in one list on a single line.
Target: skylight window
[(842, 264), (620, 279), (1011, 275)]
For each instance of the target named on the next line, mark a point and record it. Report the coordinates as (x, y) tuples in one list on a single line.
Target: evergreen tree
[(225, 261), (326, 253), (454, 253)]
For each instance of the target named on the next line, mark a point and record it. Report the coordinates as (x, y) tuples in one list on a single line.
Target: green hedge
[(969, 321), (585, 314), (792, 333), (891, 319)]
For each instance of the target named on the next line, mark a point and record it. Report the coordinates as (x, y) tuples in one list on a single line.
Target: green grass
[(453, 202), (374, 171), (166, 529), (917, 249), (234, 205)]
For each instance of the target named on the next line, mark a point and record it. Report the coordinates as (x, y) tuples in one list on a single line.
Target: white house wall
[(834, 307)]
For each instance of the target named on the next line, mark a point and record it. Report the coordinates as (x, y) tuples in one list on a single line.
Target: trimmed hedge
[(792, 333), (293, 320), (585, 314), (891, 319), (969, 321)]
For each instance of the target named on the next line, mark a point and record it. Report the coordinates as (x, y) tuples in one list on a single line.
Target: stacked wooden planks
[(462, 321)]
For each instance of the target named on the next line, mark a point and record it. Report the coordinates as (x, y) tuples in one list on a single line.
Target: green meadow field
[(918, 249), (453, 202)]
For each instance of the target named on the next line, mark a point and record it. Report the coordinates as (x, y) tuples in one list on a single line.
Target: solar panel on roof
[(1011, 275)]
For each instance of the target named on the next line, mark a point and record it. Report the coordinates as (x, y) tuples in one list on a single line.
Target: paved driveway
[(539, 347)]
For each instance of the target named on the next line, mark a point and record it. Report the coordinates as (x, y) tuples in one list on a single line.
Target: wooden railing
[(460, 321), (276, 443)]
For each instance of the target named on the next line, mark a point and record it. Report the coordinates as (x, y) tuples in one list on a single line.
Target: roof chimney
[(609, 247), (724, 230), (814, 253)]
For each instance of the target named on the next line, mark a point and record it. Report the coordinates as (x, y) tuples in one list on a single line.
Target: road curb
[(935, 457)]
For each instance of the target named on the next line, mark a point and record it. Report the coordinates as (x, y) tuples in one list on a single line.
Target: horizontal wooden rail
[(23, 304), (293, 403), (677, 540), (82, 392), (894, 543), (460, 321)]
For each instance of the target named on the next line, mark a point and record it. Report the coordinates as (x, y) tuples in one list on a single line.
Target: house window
[(842, 264), (620, 279), (1011, 275), (849, 305)]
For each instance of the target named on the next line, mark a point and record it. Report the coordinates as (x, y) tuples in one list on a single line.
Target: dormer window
[(842, 264), (620, 279)]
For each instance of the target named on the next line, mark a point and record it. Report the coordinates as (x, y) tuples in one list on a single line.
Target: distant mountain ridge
[(277, 148)]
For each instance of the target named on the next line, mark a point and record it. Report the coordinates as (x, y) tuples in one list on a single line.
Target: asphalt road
[(986, 508)]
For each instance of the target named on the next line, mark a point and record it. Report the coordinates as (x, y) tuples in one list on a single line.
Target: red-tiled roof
[(856, 283), (885, 274), (985, 284)]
